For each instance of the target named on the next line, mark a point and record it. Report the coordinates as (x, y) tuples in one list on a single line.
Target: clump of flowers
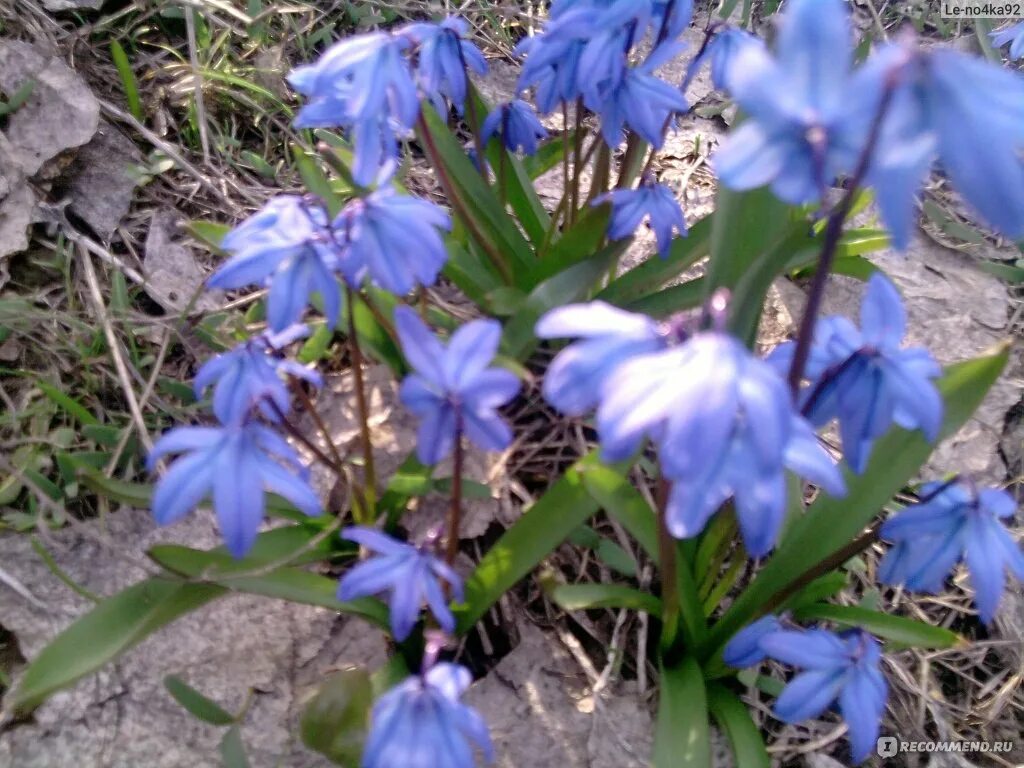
[(662, 376)]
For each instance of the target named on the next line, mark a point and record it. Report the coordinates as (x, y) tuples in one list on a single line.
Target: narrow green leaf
[(830, 523), (822, 588), (548, 155), (655, 272), (197, 704), (583, 597), (668, 301), (545, 525), (251, 575), (576, 244), (128, 81), (67, 403), (473, 199), (572, 284), (210, 233), (232, 750), (334, 722), (745, 226), (682, 735), (136, 495), (621, 501), (111, 628), (734, 718), (908, 633), (316, 181), (615, 557)]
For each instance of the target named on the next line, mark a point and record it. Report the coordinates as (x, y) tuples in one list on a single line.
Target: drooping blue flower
[(451, 389), (411, 574), (670, 18), (421, 723), (287, 245), (366, 76), (392, 237), (723, 49), (365, 85), (575, 380), (744, 650), (234, 464), (551, 68), (1014, 35), (865, 378), (724, 425), (443, 58), (641, 101), (516, 124), (945, 105), (843, 668), (954, 521), (654, 201), (250, 375), (798, 136)]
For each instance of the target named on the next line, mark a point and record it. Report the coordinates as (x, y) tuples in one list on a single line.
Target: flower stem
[(311, 409), (577, 153), (474, 122), (455, 512), (369, 474), (668, 567), (492, 251), (833, 232)]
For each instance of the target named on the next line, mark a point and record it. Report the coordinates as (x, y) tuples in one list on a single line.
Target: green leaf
[(316, 181), (583, 597), (745, 226), (474, 201), (136, 495), (821, 588), (907, 633), (668, 301), (649, 275), (682, 732), (197, 704), (210, 233), (830, 523), (128, 81), (545, 525), (232, 750), (67, 403), (615, 557), (572, 284), (252, 575), (18, 98), (334, 721), (548, 155), (576, 244), (108, 630), (1009, 272), (734, 718), (621, 501)]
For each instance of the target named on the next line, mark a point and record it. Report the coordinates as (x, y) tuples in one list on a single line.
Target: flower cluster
[(841, 668), (813, 117), (723, 420)]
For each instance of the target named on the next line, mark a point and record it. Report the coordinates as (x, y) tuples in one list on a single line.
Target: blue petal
[(862, 703), (808, 695), (182, 488), (883, 320), (812, 649), (470, 350), (420, 347)]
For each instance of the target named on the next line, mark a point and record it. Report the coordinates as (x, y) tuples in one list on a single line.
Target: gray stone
[(102, 180), (72, 5), (61, 113), (173, 276)]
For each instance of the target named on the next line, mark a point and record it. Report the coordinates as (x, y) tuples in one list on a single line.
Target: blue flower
[(551, 68), (234, 463), (451, 389), (865, 378), (724, 425), (287, 244), (251, 375), (394, 238), (365, 85), (412, 575), (656, 202), (516, 124), (723, 49), (576, 377), (420, 723), (744, 650), (1013, 34), (843, 668), (641, 101), (443, 58), (966, 112), (954, 522), (670, 18), (366, 76), (797, 138)]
